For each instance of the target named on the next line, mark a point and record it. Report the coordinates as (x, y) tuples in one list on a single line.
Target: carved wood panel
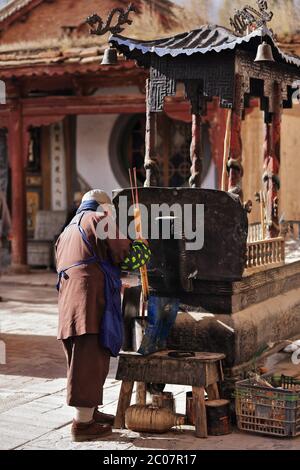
[(204, 76), (269, 73)]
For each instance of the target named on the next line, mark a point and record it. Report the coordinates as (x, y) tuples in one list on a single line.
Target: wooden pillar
[(18, 168), (272, 166), (234, 166), (151, 163), (196, 151)]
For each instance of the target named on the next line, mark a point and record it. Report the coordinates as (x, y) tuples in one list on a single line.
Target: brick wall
[(46, 20)]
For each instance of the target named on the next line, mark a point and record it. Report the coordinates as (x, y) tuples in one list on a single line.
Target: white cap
[(97, 195)]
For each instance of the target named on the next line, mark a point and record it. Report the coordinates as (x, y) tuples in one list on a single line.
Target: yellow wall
[(253, 138), (290, 164)]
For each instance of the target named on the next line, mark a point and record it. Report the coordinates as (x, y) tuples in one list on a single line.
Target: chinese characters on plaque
[(58, 168)]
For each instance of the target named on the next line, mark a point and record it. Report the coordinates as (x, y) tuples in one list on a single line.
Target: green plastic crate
[(270, 411)]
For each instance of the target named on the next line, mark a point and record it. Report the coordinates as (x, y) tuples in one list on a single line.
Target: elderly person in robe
[(90, 318)]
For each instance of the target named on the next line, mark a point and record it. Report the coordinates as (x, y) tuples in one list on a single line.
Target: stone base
[(245, 334), (232, 297)]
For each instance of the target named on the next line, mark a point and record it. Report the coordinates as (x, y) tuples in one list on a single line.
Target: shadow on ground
[(37, 356), (33, 356)]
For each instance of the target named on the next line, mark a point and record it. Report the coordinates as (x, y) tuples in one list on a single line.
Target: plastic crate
[(271, 411)]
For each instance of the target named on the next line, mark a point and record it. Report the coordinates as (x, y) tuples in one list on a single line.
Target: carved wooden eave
[(213, 62), (258, 79)]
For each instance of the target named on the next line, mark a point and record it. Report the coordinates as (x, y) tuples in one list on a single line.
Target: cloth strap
[(62, 274)]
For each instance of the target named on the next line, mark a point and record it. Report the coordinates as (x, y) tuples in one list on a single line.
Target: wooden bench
[(202, 372)]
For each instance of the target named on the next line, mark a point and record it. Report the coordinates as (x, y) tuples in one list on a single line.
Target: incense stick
[(227, 141), (136, 187), (131, 186)]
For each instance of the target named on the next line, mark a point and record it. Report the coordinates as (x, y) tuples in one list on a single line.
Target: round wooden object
[(154, 420), (218, 417)]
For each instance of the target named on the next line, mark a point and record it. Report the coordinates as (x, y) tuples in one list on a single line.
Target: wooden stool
[(202, 372)]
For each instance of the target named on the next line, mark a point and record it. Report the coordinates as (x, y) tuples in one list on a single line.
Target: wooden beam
[(45, 110), (66, 105)]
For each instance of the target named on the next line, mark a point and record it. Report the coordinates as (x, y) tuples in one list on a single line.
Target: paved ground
[(32, 384)]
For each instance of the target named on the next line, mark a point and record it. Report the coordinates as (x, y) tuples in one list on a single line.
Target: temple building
[(68, 124)]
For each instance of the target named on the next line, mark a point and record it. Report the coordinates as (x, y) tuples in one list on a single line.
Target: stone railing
[(289, 229), (255, 233), (265, 253)]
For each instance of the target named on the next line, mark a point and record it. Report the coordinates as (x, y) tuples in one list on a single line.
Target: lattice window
[(173, 149)]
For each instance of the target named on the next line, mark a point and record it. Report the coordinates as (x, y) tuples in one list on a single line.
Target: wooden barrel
[(218, 417)]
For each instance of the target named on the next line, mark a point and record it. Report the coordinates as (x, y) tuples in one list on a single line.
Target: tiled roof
[(51, 56), (208, 38), (84, 56), (85, 53)]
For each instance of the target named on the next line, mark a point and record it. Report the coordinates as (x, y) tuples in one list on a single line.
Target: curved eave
[(131, 47)]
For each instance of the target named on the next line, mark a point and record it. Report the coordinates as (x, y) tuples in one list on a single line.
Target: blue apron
[(111, 333)]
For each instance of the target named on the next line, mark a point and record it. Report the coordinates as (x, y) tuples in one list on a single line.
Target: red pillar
[(272, 164), (235, 168), (18, 163)]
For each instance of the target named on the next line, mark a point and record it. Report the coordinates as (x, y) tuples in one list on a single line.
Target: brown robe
[(81, 305)]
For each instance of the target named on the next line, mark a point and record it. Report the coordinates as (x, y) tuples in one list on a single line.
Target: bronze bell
[(264, 53), (110, 56)]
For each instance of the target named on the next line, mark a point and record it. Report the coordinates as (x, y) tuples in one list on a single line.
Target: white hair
[(97, 195)]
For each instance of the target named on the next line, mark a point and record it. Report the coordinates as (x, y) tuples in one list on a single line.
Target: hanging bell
[(110, 56), (264, 53)]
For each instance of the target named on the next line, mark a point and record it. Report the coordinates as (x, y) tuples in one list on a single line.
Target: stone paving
[(33, 414)]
